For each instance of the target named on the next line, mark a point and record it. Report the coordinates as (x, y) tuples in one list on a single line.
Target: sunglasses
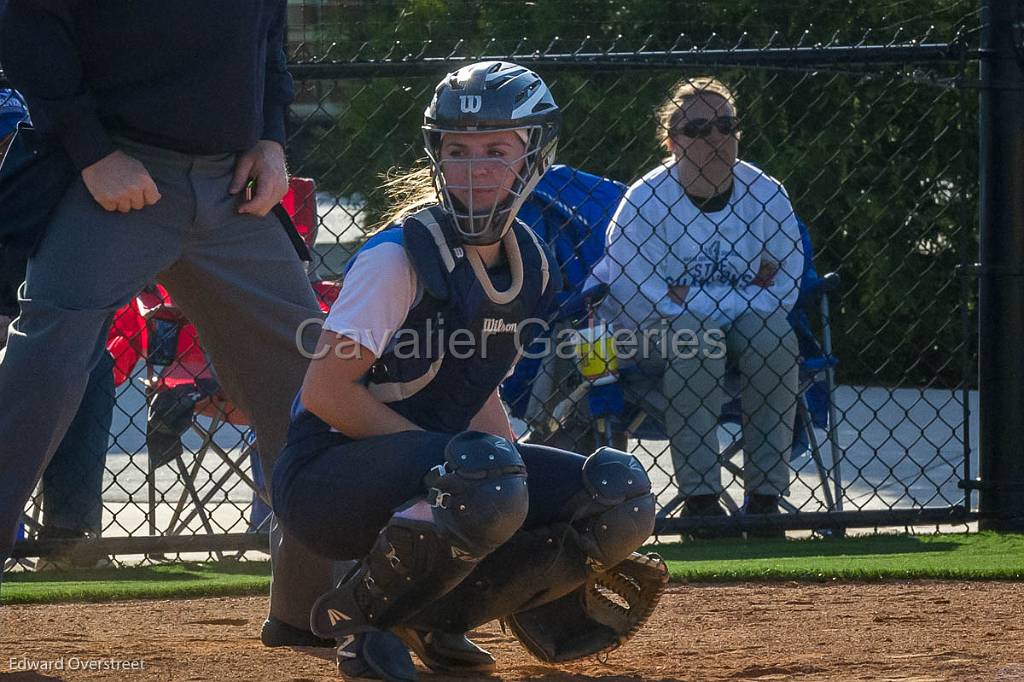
[(702, 127)]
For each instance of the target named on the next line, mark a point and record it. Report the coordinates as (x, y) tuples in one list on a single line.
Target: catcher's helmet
[(484, 97)]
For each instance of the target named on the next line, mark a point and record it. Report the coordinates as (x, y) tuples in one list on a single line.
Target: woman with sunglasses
[(706, 249), (400, 455)]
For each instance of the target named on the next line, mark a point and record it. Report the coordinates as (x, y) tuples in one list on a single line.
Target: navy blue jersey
[(465, 329)]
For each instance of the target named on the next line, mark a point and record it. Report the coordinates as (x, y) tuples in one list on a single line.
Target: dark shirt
[(712, 204), (195, 76)]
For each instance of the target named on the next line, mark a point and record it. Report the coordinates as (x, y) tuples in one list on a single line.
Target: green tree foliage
[(879, 160)]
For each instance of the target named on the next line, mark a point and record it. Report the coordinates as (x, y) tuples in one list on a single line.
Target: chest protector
[(465, 330)]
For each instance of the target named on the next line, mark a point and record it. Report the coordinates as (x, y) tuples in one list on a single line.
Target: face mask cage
[(487, 221)]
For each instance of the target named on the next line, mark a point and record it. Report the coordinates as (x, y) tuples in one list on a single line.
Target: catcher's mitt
[(598, 616)]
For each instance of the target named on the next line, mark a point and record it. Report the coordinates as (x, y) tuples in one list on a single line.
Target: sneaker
[(764, 504), (278, 633), (704, 506), (62, 562), (375, 655), (443, 652), (74, 555)]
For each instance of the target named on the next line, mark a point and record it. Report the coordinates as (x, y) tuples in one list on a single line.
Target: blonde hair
[(407, 191), (670, 113)]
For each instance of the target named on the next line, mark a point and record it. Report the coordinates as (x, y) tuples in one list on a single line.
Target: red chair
[(183, 395)]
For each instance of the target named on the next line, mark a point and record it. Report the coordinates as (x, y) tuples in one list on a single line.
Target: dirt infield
[(893, 631)]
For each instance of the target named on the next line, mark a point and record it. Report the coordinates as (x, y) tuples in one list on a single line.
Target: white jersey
[(658, 239)]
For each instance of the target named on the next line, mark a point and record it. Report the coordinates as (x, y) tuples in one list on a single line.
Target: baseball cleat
[(445, 652), (375, 655), (278, 633)]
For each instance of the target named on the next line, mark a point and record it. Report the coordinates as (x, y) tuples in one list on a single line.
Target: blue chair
[(570, 210)]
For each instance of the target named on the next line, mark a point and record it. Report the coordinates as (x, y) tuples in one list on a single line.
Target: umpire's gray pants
[(237, 277), (765, 350)]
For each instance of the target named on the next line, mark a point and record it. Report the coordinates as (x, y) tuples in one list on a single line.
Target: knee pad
[(479, 495), (616, 507)]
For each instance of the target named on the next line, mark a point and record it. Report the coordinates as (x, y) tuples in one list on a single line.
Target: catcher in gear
[(400, 455)]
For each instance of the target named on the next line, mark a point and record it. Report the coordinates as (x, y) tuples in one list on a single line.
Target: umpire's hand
[(265, 164), (119, 182)]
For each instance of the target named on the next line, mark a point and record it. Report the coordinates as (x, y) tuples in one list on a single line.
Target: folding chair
[(615, 419), (183, 396), (570, 210)]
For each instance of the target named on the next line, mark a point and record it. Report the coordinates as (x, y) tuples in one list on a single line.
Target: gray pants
[(765, 352), (236, 277)]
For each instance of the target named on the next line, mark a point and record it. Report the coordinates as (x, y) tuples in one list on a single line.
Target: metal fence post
[(1001, 305)]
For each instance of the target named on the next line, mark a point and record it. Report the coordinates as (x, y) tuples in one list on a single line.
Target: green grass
[(977, 556), (171, 581)]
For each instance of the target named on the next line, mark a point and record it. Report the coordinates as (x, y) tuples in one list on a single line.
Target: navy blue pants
[(336, 494), (73, 480)]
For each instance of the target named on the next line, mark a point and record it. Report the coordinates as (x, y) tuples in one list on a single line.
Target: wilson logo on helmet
[(470, 104), (508, 97)]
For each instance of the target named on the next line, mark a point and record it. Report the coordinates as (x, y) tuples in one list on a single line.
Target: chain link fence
[(879, 162), (861, 406)]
